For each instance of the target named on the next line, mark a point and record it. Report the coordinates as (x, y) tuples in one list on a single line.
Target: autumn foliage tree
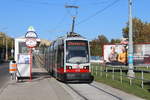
[(141, 31), (10, 44), (96, 45)]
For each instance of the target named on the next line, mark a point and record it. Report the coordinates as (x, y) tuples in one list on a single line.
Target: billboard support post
[(130, 50)]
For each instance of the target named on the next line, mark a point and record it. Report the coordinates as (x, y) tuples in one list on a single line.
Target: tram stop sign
[(31, 33), (31, 37), (31, 43)]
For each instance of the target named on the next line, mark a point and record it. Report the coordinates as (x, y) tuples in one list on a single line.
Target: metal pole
[(101, 69), (142, 77), (96, 70), (113, 74), (6, 55), (30, 64), (121, 75), (106, 72), (130, 50), (12, 50)]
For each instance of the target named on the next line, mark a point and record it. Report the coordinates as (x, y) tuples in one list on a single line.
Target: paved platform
[(42, 87)]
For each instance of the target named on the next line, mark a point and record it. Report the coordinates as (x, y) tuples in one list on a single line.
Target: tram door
[(22, 57)]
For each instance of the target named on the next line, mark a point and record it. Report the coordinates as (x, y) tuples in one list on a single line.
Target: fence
[(119, 72)]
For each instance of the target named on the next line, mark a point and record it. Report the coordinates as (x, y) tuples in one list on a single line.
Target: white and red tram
[(68, 59)]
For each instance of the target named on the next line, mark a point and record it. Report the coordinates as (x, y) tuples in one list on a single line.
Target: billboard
[(112, 54)]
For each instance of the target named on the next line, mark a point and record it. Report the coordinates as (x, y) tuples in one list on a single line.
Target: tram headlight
[(68, 67), (86, 67)]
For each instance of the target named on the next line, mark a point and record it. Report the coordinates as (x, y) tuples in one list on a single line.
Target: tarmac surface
[(4, 74), (44, 87)]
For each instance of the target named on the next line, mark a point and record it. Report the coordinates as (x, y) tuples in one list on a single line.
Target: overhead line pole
[(130, 45)]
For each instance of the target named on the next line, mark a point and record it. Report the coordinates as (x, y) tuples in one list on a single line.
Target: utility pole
[(130, 50), (6, 54)]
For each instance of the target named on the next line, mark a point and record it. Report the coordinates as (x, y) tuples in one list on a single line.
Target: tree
[(113, 41), (141, 31), (3, 40), (96, 45)]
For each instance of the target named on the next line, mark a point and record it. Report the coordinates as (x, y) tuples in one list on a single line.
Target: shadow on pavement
[(36, 76)]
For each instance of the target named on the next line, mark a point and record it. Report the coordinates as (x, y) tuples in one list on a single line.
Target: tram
[(68, 59)]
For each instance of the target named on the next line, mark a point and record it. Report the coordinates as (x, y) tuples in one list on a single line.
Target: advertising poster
[(141, 54), (117, 54), (23, 59)]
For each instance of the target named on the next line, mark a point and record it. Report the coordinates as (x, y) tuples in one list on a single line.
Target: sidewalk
[(42, 87)]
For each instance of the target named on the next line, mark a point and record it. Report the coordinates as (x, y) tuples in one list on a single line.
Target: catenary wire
[(98, 12)]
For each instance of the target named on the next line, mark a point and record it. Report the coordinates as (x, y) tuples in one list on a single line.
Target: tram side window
[(60, 56)]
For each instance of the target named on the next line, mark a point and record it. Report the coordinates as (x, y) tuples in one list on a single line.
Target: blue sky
[(51, 19)]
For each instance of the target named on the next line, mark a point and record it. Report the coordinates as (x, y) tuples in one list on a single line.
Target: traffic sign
[(31, 43), (31, 33)]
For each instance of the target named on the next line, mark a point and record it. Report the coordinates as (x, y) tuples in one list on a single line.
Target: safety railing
[(120, 72)]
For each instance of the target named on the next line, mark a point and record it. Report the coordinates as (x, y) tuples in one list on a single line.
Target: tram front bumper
[(78, 77)]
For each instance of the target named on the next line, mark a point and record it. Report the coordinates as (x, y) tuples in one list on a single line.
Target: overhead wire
[(101, 2), (95, 3), (38, 2), (98, 12), (54, 29), (59, 23)]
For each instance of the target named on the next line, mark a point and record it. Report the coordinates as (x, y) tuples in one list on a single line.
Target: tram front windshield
[(77, 51)]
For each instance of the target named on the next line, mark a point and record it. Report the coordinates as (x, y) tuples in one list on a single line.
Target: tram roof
[(72, 36)]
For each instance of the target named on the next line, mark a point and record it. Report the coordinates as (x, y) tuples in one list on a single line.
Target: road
[(4, 73)]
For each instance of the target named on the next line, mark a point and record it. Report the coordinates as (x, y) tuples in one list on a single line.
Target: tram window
[(60, 56), (77, 51)]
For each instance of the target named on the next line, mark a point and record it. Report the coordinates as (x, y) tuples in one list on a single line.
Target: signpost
[(31, 42)]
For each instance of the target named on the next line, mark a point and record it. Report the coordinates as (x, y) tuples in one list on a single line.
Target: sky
[(51, 19)]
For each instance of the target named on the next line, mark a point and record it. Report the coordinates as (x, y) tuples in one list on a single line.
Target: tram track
[(79, 94), (105, 92), (92, 92)]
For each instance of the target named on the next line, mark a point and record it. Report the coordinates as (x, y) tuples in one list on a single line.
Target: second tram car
[(69, 59)]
